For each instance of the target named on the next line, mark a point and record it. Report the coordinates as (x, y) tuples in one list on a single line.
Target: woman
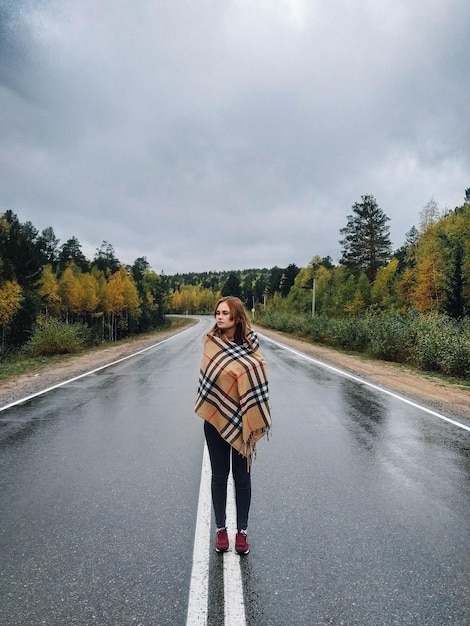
[(233, 400)]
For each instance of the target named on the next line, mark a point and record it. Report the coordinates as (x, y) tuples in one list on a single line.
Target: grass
[(20, 364), (437, 377)]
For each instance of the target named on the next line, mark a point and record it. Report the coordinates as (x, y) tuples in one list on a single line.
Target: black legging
[(219, 452)]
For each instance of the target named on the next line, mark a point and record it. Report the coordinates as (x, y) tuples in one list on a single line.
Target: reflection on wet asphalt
[(359, 512)]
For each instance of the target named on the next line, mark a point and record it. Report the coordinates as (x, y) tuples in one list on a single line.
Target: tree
[(89, 293), (71, 252), (22, 254), (366, 242), (274, 281), (428, 293), (454, 304), (383, 292), (10, 303), (139, 268), (50, 246), (407, 252), (287, 279), (49, 291), (232, 285), (105, 259), (71, 291), (361, 296), (428, 215)]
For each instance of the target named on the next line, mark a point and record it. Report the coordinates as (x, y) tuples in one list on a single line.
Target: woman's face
[(223, 318)]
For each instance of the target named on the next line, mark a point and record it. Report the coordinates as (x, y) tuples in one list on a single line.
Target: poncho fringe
[(233, 392)]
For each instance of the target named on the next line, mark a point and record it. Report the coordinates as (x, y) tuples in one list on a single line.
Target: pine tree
[(232, 285), (366, 243)]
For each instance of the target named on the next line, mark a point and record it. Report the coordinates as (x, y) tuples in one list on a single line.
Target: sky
[(211, 135)]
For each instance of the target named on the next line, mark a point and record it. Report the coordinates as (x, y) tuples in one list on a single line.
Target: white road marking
[(97, 369), (234, 606), (367, 383), (198, 592)]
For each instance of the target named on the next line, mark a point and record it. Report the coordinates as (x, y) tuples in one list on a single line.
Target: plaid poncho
[(233, 392)]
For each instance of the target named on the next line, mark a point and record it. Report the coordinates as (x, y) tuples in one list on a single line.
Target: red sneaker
[(241, 543), (221, 541)]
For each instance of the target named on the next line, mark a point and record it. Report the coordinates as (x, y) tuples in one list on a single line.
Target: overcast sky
[(230, 134)]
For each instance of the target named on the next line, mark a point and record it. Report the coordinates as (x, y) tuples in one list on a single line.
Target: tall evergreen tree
[(71, 252), (407, 252), (366, 245), (232, 285), (454, 304), (21, 251), (50, 246), (105, 259), (287, 279)]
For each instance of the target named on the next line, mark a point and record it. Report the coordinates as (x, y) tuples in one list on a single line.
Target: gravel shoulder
[(453, 400), (450, 399), (70, 366)]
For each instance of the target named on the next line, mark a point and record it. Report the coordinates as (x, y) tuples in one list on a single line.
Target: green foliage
[(442, 345), (367, 303), (429, 342), (232, 286), (366, 245), (51, 337), (391, 336)]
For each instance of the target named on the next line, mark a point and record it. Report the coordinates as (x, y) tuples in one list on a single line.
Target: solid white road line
[(234, 606), (367, 383), (198, 592), (93, 371)]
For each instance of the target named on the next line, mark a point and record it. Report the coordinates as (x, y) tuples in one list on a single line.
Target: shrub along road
[(450, 398), (359, 512)]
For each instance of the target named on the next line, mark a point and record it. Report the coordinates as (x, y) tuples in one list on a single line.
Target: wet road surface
[(360, 511)]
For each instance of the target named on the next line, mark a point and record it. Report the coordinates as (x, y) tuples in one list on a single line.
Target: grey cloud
[(217, 135)]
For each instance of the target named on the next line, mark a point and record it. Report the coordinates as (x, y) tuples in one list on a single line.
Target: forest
[(377, 300)]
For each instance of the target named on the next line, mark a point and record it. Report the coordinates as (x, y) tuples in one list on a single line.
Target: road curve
[(359, 514)]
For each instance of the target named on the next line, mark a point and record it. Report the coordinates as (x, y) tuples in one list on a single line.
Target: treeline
[(41, 282), (53, 299), (430, 272), (197, 292), (412, 306)]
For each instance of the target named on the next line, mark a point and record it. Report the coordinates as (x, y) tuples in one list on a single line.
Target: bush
[(432, 342), (285, 322), (443, 345), (51, 337), (392, 336), (351, 333)]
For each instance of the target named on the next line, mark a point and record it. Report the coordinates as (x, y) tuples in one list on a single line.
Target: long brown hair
[(237, 313)]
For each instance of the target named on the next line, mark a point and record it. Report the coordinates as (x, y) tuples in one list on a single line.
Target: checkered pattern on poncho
[(233, 392)]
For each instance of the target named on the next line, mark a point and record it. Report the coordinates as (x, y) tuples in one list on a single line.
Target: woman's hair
[(237, 313)]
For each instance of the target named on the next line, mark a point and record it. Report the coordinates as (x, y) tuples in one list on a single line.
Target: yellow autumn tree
[(383, 288), (193, 299), (49, 292), (428, 292), (114, 302), (122, 300), (405, 289), (131, 295), (10, 303), (71, 291), (89, 293)]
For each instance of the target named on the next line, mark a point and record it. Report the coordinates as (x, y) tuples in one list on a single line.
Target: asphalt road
[(360, 511)]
